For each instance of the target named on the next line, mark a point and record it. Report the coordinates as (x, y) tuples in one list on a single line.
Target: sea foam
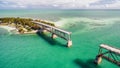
[(85, 24)]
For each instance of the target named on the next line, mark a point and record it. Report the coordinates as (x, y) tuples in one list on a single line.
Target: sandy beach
[(9, 28)]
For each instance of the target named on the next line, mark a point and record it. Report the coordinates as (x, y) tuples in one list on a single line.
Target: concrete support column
[(44, 31), (98, 59), (40, 31), (69, 43), (54, 35)]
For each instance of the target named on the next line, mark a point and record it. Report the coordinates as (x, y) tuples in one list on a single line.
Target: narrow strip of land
[(22, 25)]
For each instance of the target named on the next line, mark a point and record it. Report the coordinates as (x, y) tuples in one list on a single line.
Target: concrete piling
[(69, 43)]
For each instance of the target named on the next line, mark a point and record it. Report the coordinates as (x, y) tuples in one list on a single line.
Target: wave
[(3, 31), (7, 30)]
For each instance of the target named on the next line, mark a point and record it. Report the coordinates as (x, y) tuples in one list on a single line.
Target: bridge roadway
[(56, 32)]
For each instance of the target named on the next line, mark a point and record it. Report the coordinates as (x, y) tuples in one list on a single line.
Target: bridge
[(56, 32), (110, 53)]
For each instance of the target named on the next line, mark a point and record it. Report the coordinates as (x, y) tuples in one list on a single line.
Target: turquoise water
[(89, 28)]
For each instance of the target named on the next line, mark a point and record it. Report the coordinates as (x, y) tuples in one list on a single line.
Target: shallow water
[(40, 51)]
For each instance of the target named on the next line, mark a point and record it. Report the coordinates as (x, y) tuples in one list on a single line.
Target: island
[(23, 25)]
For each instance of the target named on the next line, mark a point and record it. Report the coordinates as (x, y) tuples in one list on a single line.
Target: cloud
[(106, 4), (75, 3), (114, 5), (62, 4), (11, 4)]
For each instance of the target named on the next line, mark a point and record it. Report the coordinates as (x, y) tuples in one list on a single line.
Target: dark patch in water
[(97, 24), (50, 40), (88, 64)]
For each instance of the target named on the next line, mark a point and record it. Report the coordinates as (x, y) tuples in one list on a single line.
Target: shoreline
[(31, 32), (22, 25), (10, 29)]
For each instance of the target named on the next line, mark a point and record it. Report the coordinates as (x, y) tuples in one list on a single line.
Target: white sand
[(7, 28)]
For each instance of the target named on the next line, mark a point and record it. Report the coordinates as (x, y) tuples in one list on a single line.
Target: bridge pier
[(54, 35), (98, 59), (69, 43), (42, 30)]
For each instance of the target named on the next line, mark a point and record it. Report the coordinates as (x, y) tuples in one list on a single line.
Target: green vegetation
[(45, 22), (23, 24)]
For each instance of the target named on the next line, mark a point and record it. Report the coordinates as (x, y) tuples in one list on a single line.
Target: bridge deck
[(66, 32), (115, 50)]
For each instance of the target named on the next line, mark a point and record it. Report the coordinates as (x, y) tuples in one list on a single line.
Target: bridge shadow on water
[(50, 40), (88, 64)]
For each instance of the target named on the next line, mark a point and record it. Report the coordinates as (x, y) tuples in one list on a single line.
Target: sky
[(60, 4)]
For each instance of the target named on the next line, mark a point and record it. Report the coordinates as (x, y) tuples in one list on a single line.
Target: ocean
[(89, 28)]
